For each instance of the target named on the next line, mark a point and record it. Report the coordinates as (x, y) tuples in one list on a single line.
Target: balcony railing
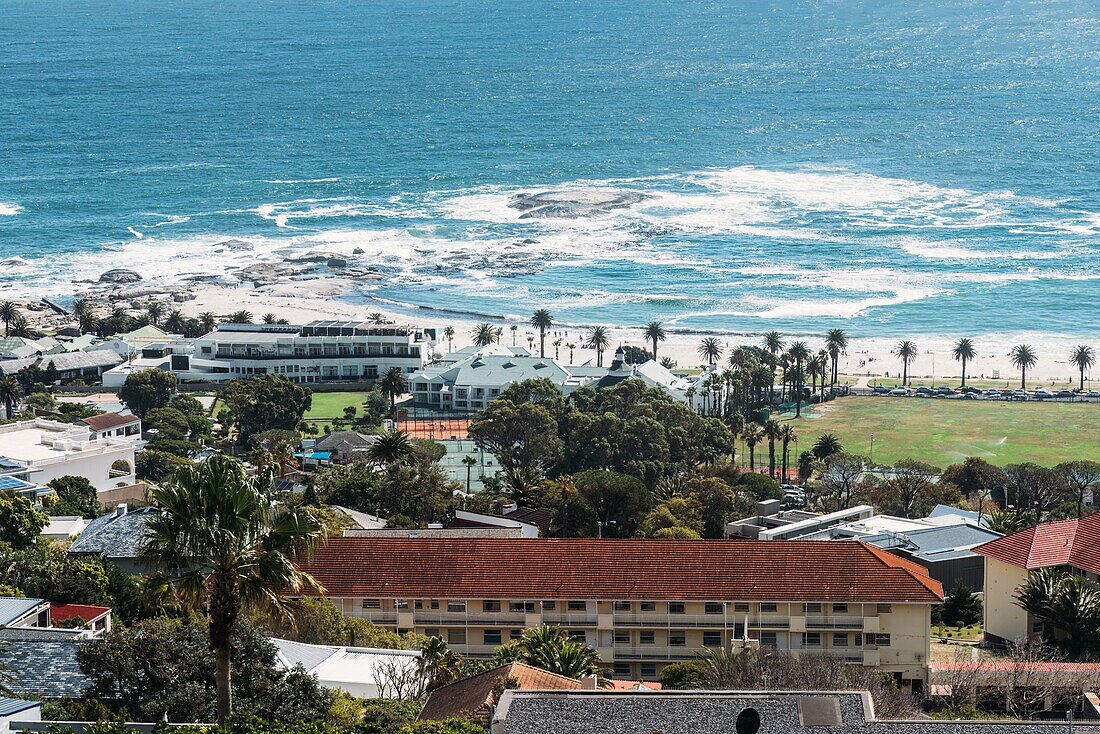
[(490, 618), (375, 615), (570, 618), (654, 652), (716, 621), (824, 622)]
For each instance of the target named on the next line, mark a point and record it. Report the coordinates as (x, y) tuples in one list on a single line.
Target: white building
[(321, 351), (41, 450), (363, 672)]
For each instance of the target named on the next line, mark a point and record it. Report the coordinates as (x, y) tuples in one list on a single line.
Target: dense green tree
[(678, 517), (263, 403), (20, 522), (393, 385), (974, 476), (523, 436), (1067, 604), (906, 488), (761, 486), (962, 607), (826, 445), (74, 496), (145, 390), (1082, 480), (156, 466), (617, 499), (836, 341)]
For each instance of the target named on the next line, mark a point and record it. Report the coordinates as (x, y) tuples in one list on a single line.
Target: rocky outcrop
[(119, 275), (572, 204)]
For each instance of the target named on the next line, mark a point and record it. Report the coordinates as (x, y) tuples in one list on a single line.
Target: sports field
[(942, 432)]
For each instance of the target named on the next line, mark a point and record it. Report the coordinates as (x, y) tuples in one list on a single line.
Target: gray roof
[(45, 668), (113, 535), (64, 361), (931, 545), (494, 369), (13, 609), (9, 706), (300, 653), (336, 439)]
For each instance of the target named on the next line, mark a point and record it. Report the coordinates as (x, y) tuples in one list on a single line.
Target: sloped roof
[(107, 421), (14, 608), (42, 667), (475, 694), (1066, 542), (935, 543), (9, 706), (308, 656), (471, 568), (113, 535)]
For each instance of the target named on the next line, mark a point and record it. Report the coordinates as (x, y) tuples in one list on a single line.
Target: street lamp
[(872, 457), (601, 523)]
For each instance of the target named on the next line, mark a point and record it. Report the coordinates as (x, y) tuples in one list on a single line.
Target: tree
[(1082, 477), (225, 546), (19, 327), (1067, 604), (1084, 358), (175, 322), (1024, 358), (1031, 488), (906, 351), (826, 445), (786, 435), (836, 341), (145, 390), (599, 340), (553, 650), (961, 608), (974, 476), (710, 349), (155, 311), (9, 394), (523, 437), (484, 335), (655, 332), (908, 483), (963, 352), (74, 496), (240, 317), (799, 353), (439, 665), (8, 313), (449, 335), (469, 462), (771, 432), (161, 669), (542, 320), (753, 433), (393, 384), (263, 403), (841, 476), (20, 523), (390, 447), (207, 322), (679, 517), (618, 500)]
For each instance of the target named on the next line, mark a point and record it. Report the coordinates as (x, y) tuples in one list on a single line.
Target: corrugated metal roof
[(12, 609), (9, 706)]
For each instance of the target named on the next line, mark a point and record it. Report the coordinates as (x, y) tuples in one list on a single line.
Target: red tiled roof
[(87, 612), (471, 568), (1066, 542), (630, 685), (107, 421), (1008, 665), (475, 694)]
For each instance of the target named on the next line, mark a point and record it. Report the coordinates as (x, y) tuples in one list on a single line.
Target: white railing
[(833, 622)]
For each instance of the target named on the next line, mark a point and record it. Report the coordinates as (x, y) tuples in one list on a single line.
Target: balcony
[(828, 622), (653, 652), (464, 618), (716, 621), (377, 616), (770, 621), (576, 619)]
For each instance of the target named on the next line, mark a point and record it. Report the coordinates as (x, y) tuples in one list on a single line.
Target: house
[(475, 696), (320, 351), (14, 477), (69, 365), (470, 519), (106, 425), (44, 450), (643, 603), (728, 712), (343, 447), (116, 537), (95, 619), (42, 662), (19, 612), (363, 672), (63, 527), (1070, 544), (16, 709)]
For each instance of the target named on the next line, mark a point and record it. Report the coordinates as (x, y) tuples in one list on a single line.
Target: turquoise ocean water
[(895, 168)]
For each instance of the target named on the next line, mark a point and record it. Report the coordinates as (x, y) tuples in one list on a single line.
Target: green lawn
[(942, 432), (329, 405)]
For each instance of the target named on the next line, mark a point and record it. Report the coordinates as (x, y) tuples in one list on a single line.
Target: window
[(768, 607), (621, 670), (840, 609), (456, 637), (515, 634), (372, 603), (431, 633), (400, 603), (491, 637), (712, 639), (677, 638), (1037, 628), (767, 639), (811, 639), (578, 606), (675, 607), (622, 606), (521, 606), (811, 608), (645, 637), (884, 609), (490, 606), (740, 607), (456, 606), (712, 607), (578, 635), (549, 606), (648, 606), (433, 604), (649, 670), (881, 639), (622, 638), (840, 639)]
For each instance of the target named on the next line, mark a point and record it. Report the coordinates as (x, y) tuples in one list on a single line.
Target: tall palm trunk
[(904, 372), (1023, 378), (964, 372), (798, 395), (1082, 378), (542, 342), (785, 453), (654, 348), (771, 458), (224, 610), (752, 457)]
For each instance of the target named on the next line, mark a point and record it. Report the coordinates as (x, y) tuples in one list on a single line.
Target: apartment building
[(320, 351), (643, 603), (39, 450)]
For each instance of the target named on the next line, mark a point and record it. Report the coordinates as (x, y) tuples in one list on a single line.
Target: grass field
[(329, 405), (942, 432)]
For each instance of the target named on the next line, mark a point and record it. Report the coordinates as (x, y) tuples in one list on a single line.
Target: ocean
[(896, 169)]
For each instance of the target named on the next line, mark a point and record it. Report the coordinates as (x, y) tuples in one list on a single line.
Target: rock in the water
[(313, 256), (572, 204), (358, 251), (235, 245), (337, 262), (119, 275)]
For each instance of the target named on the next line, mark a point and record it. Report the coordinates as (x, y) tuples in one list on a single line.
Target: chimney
[(589, 683), (120, 510)]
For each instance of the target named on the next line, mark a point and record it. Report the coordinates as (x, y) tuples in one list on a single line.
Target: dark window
[(712, 639), (840, 639), (515, 634), (521, 606), (622, 638), (549, 606), (490, 606), (884, 609), (713, 607), (649, 670), (621, 669), (578, 606), (767, 639), (648, 606), (677, 639), (767, 607), (577, 635), (748, 722), (740, 607), (456, 637), (811, 639), (840, 609), (622, 606), (812, 609), (645, 637), (492, 637), (675, 607)]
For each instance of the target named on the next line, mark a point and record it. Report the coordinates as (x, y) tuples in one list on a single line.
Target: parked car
[(880, 390), (1094, 393), (1042, 394), (1019, 395), (992, 395), (899, 391), (970, 395), (1066, 394)]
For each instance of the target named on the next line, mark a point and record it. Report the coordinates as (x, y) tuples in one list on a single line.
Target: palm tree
[(498, 333), (826, 445), (771, 432), (1084, 358), (773, 343), (798, 353), (438, 665), (752, 434), (710, 349), (449, 333), (905, 351), (514, 329), (390, 447), (557, 348), (551, 649), (226, 548), (542, 320), (208, 322), (8, 312), (240, 317), (786, 435), (175, 322), (570, 346), (19, 327), (1024, 358), (393, 383), (1068, 605), (82, 309), (155, 311), (469, 462), (270, 318), (655, 332), (9, 394), (963, 352), (597, 339), (484, 335), (836, 341)]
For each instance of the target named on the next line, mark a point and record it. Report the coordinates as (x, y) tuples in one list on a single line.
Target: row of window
[(676, 638), (673, 607)]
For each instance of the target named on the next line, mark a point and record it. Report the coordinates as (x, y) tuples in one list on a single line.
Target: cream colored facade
[(1004, 620), (638, 638)]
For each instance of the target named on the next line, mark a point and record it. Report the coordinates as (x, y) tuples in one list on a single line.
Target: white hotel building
[(320, 351)]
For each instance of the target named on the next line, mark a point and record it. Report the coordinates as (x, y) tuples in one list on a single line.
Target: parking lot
[(945, 392)]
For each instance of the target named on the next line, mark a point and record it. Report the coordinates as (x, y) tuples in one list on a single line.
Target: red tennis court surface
[(435, 428)]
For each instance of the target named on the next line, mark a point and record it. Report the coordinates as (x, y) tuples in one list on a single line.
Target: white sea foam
[(9, 209), (137, 235), (172, 219), (301, 180)]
